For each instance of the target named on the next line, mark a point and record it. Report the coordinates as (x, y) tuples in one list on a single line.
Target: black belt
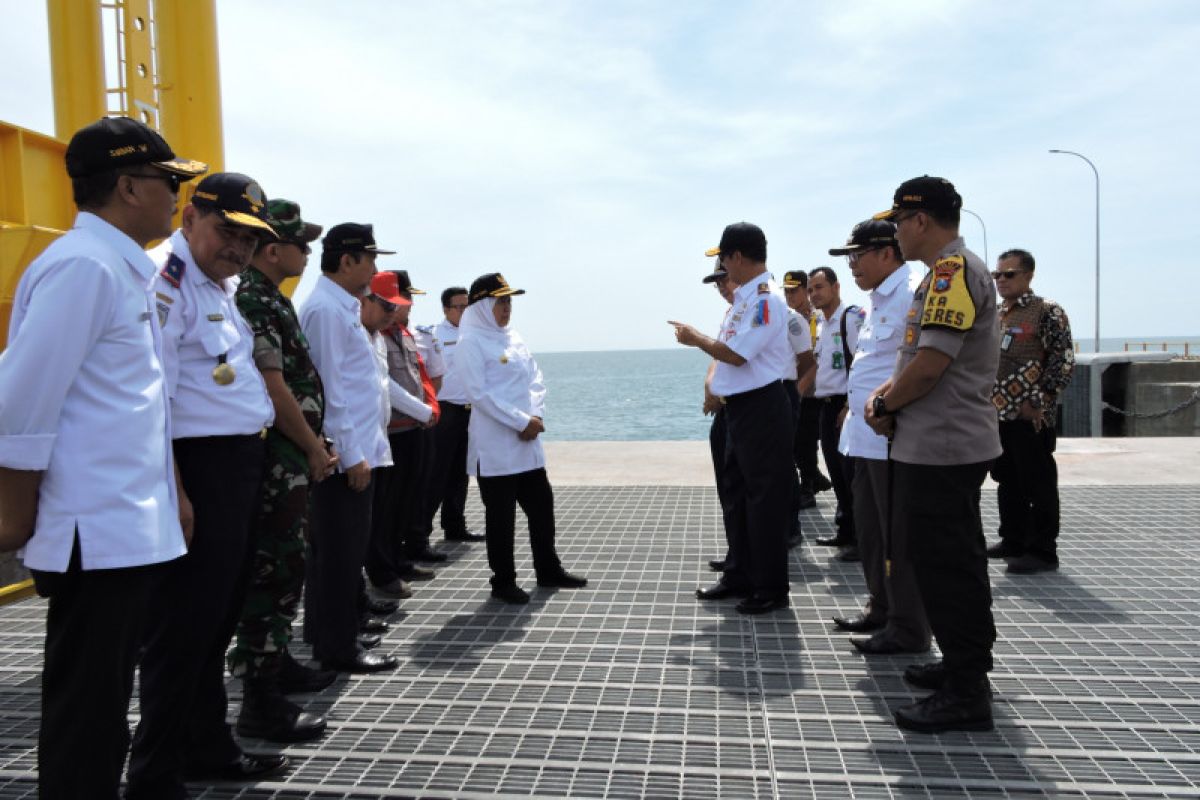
[(752, 392), (835, 399), (463, 406)]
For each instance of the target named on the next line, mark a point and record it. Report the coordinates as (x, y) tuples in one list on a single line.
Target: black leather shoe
[(849, 553), (762, 603), (834, 541), (295, 678), (250, 767), (807, 500), (563, 580), (428, 554), (415, 572), (882, 645), (859, 623), (926, 676), (1029, 564), (719, 591), (513, 595), (464, 536), (363, 663), (1004, 549), (717, 565), (821, 483), (381, 608), (946, 710), (369, 641), (396, 588), (267, 714), (369, 624)]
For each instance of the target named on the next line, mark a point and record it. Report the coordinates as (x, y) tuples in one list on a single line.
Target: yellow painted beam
[(189, 80), (16, 591), (76, 64)]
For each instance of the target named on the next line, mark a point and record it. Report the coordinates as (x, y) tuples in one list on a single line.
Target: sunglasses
[(1007, 274), (386, 305), (173, 182)]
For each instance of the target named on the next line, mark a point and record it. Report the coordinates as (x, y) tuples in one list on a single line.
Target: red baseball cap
[(387, 286)]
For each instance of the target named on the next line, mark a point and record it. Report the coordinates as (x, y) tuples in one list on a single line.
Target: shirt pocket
[(885, 332), (218, 338)]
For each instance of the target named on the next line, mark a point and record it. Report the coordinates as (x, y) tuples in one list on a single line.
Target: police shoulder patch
[(172, 271), (949, 303)]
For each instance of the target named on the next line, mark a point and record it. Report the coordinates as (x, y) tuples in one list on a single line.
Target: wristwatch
[(878, 407)]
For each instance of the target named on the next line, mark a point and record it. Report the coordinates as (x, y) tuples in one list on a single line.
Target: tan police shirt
[(954, 312)]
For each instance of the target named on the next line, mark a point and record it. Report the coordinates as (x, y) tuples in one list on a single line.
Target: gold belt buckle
[(263, 433)]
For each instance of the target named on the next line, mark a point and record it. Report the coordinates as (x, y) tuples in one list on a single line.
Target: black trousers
[(717, 434), (93, 632), (793, 394), (1027, 491), (757, 488), (339, 535), (396, 507), (448, 473), (840, 474), (805, 440), (940, 507), (193, 615), (501, 494)]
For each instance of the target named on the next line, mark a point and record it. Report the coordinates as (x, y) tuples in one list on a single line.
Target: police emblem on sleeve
[(172, 271), (764, 288), (949, 303)]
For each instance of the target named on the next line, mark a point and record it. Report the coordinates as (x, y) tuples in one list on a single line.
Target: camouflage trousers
[(279, 536)]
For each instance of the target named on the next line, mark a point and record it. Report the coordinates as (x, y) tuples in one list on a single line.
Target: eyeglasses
[(386, 305), (302, 246), (1007, 274), (173, 182), (856, 255)]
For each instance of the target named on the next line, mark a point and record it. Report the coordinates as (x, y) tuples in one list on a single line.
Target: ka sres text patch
[(948, 303)]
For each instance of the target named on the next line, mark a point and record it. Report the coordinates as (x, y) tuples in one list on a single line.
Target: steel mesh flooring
[(631, 688)]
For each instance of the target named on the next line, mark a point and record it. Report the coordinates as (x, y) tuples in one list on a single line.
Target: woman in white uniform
[(504, 386)]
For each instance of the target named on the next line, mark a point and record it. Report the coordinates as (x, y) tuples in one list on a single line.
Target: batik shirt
[(1037, 355)]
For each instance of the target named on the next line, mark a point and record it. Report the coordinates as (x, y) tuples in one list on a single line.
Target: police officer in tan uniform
[(938, 410)]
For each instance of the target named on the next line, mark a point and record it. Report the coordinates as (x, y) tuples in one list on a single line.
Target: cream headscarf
[(480, 318)]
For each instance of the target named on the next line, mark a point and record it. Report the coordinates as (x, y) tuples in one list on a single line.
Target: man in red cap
[(414, 405)]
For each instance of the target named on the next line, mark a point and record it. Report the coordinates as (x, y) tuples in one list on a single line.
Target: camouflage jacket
[(279, 344)]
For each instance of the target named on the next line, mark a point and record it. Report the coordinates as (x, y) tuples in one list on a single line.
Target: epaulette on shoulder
[(955, 260), (425, 328), (172, 271)]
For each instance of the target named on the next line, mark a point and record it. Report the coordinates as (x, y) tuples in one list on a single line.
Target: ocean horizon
[(656, 394)]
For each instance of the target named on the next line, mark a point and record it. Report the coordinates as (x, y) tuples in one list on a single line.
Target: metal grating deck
[(631, 688)]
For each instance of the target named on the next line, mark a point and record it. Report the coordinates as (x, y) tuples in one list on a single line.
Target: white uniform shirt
[(430, 349), (201, 322), (379, 347), (874, 362), (452, 388), (83, 398), (800, 338), (830, 356), (756, 328), (346, 361), (504, 386)]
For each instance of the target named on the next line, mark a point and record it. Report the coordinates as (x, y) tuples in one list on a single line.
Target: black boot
[(295, 678), (267, 714)]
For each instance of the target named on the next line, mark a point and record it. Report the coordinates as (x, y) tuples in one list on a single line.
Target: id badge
[(1006, 342)]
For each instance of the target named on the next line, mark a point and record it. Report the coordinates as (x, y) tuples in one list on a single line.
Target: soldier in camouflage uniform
[(297, 455)]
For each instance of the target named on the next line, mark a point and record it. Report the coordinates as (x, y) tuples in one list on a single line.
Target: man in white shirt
[(893, 609), (354, 416), (752, 354), (837, 337), (448, 478), (86, 467), (220, 410)]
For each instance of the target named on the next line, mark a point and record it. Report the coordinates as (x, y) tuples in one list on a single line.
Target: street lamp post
[(1097, 174), (986, 260)]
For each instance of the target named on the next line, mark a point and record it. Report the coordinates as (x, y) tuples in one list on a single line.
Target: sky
[(592, 151)]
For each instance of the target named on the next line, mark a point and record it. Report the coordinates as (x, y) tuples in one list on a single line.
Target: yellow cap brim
[(416, 291), (183, 167), (713, 251), (506, 292), (248, 221), (891, 212), (787, 285)]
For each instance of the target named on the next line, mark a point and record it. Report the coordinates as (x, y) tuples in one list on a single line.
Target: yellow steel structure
[(166, 74)]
